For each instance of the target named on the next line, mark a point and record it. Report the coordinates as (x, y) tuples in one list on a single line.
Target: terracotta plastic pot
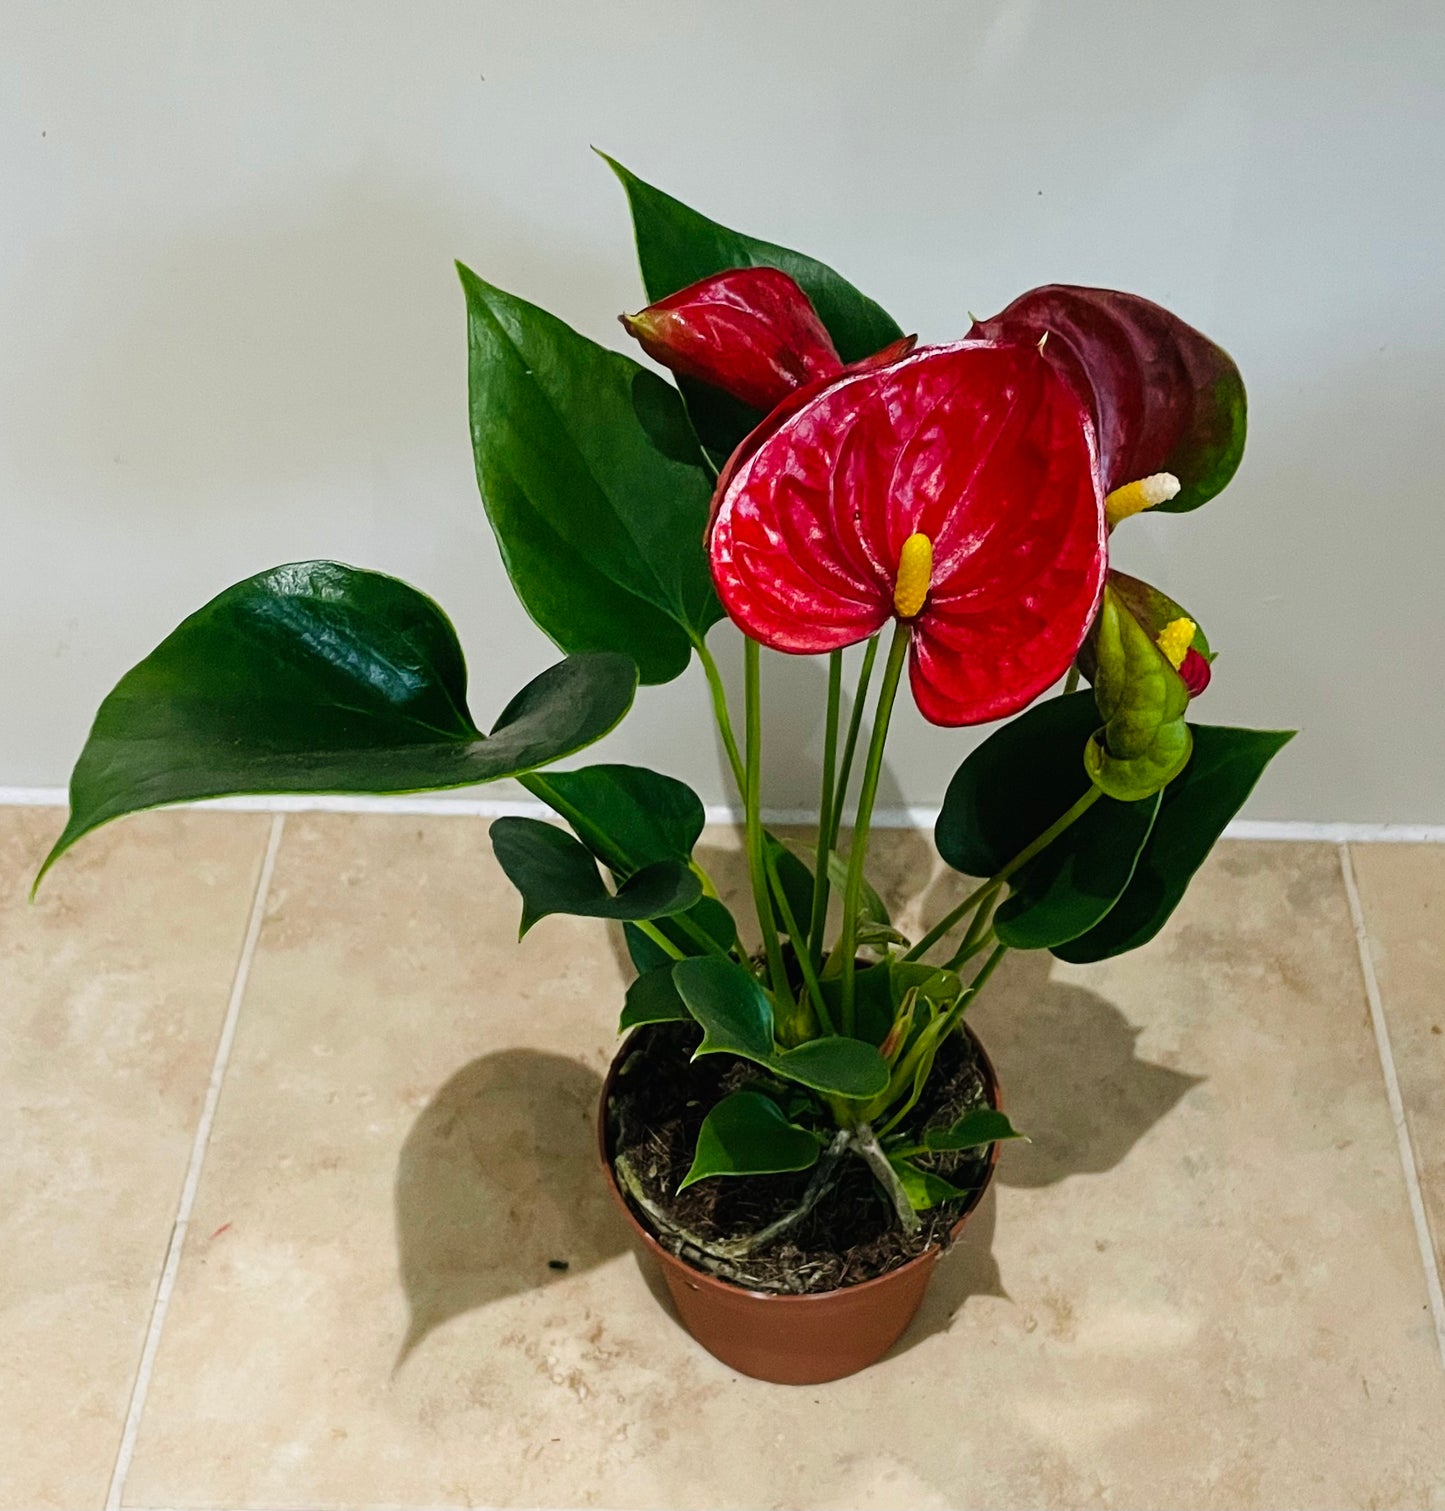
[(793, 1340)]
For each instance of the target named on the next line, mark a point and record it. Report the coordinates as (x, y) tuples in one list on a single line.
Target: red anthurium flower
[(750, 331), (957, 489), (1167, 403)]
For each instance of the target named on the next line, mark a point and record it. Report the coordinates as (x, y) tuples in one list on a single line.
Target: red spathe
[(751, 332), (983, 448)]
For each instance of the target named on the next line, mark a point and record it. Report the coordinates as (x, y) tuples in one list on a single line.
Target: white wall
[(230, 334)]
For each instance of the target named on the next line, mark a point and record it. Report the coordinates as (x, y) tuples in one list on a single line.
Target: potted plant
[(796, 1124)]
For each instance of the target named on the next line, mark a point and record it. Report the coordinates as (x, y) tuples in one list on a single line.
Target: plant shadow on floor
[(499, 1174), (497, 1183)]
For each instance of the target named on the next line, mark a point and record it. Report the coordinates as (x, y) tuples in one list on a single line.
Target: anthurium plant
[(819, 480)]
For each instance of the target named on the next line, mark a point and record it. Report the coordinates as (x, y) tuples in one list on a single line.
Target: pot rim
[(929, 1256)]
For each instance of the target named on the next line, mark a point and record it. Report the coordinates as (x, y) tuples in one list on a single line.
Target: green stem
[(850, 745), (814, 943), (752, 797), (660, 939), (1050, 834), (724, 719), (790, 923), (953, 916), (971, 947), (906, 1072), (1071, 682), (867, 793), (974, 988), (980, 895), (698, 934), (977, 929)]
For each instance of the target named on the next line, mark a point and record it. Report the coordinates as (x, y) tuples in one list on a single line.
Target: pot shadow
[(496, 1184)]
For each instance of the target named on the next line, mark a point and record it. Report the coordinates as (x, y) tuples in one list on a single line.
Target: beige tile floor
[(1202, 1284)]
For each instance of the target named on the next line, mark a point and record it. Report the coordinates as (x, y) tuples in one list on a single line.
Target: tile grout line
[(1396, 1101), (199, 1143)]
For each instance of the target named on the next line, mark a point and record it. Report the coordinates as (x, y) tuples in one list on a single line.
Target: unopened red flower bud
[(1194, 670), (750, 332)]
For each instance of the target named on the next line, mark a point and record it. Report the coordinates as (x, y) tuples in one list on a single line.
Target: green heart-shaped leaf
[(653, 998), (873, 1001), (747, 1134), (736, 1016), (677, 246), (594, 484), (1009, 791), (1025, 775), (835, 1065), (627, 816), (1196, 806), (318, 677), (1072, 883), (981, 1126), (556, 874)]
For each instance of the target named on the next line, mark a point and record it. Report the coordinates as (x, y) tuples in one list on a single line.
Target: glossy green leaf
[(1073, 883), (981, 1126), (594, 484), (873, 1003), (923, 1188), (1142, 700), (627, 816), (1024, 776), (835, 1065), (556, 874), (736, 1016), (1008, 791), (707, 914), (677, 246), (1196, 806), (653, 998), (317, 677), (747, 1134)]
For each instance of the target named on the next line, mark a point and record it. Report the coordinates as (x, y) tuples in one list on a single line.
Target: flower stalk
[(830, 796), (867, 793), (757, 867)]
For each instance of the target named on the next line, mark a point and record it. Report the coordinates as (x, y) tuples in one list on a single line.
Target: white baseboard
[(723, 813)]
